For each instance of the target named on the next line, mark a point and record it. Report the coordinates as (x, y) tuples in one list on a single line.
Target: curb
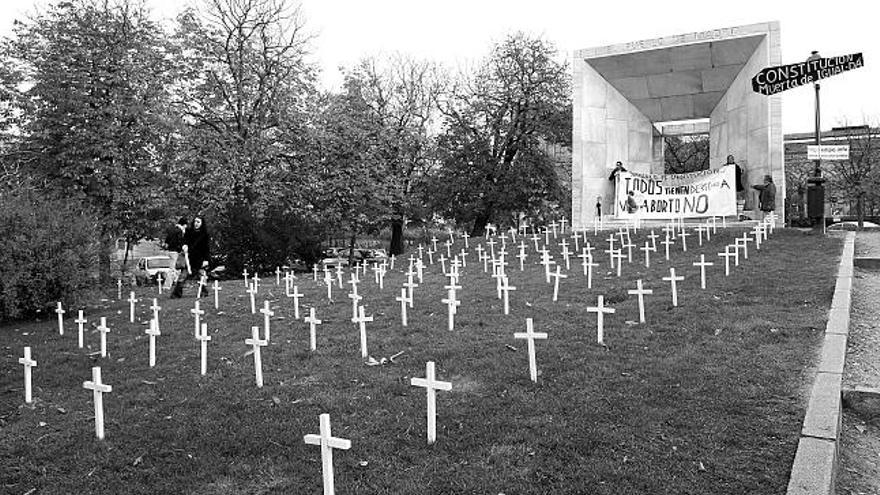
[(814, 470)]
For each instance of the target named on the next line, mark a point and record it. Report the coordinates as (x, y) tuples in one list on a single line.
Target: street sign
[(772, 80), (828, 152)]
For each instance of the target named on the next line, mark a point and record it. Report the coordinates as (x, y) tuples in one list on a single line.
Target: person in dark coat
[(618, 168), (766, 195), (175, 242), (198, 242)]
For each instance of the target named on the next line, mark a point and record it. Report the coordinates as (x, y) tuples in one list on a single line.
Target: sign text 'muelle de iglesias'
[(776, 79), (697, 194)]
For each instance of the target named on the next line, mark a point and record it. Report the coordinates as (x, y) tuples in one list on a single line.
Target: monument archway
[(621, 91)]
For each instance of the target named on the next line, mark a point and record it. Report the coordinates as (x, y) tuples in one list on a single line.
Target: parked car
[(149, 267), (335, 256), (371, 255)]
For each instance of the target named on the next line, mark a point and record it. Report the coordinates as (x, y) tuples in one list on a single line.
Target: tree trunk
[(480, 224), (125, 258), (860, 211), (104, 256), (351, 243), (397, 246)]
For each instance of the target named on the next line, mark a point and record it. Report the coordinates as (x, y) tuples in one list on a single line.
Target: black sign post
[(772, 80)]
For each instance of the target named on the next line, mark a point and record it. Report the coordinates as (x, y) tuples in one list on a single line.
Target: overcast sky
[(453, 31)]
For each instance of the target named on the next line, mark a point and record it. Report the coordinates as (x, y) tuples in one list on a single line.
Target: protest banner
[(697, 194)]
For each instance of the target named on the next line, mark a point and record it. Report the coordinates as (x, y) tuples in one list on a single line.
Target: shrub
[(48, 253)]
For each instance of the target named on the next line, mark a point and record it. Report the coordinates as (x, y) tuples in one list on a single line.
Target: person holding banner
[(618, 168), (766, 196), (631, 205)]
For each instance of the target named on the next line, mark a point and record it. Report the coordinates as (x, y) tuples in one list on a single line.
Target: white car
[(149, 267)]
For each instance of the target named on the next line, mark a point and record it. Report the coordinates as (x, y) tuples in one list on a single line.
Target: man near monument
[(766, 195), (618, 168)]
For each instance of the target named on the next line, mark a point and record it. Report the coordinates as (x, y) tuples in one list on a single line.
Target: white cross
[(757, 233), (451, 304), (252, 292), (565, 256), (647, 251), (80, 321), (434, 243), (28, 363), (404, 300), (60, 311), (653, 238), (98, 389), (448, 245), (726, 255), (256, 343), (328, 281), (600, 311), (522, 258), (744, 240), (131, 301), (362, 321), (410, 285), (546, 261), (491, 243), (382, 276), (256, 281), (327, 442), (672, 279), (296, 295), (394, 257), (700, 229), (203, 338), (197, 314), (431, 385), (530, 335), (217, 290), (506, 288), (104, 330), (466, 236), (443, 262), (589, 267), (535, 238), (155, 308), (556, 276), (315, 272), (277, 275), (563, 221), (339, 275), (618, 255), (735, 250), (553, 226), (312, 321), (703, 264), (640, 293), (153, 332), (245, 273), (267, 315), (683, 234), (203, 282), (666, 243)]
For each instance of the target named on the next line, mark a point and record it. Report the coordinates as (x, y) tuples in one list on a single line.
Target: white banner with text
[(705, 193)]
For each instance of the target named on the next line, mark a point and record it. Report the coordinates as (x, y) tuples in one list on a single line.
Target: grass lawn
[(705, 398)]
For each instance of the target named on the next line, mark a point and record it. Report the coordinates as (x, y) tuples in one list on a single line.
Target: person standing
[(198, 242), (766, 196), (175, 242)]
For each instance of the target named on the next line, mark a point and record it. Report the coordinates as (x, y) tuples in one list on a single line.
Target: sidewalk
[(860, 436)]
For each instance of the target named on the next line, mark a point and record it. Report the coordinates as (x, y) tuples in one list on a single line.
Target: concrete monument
[(628, 96)]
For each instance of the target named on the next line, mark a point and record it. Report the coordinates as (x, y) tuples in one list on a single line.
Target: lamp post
[(815, 187)]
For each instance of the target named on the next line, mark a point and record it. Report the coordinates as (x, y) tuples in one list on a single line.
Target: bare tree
[(402, 94), (859, 177)]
